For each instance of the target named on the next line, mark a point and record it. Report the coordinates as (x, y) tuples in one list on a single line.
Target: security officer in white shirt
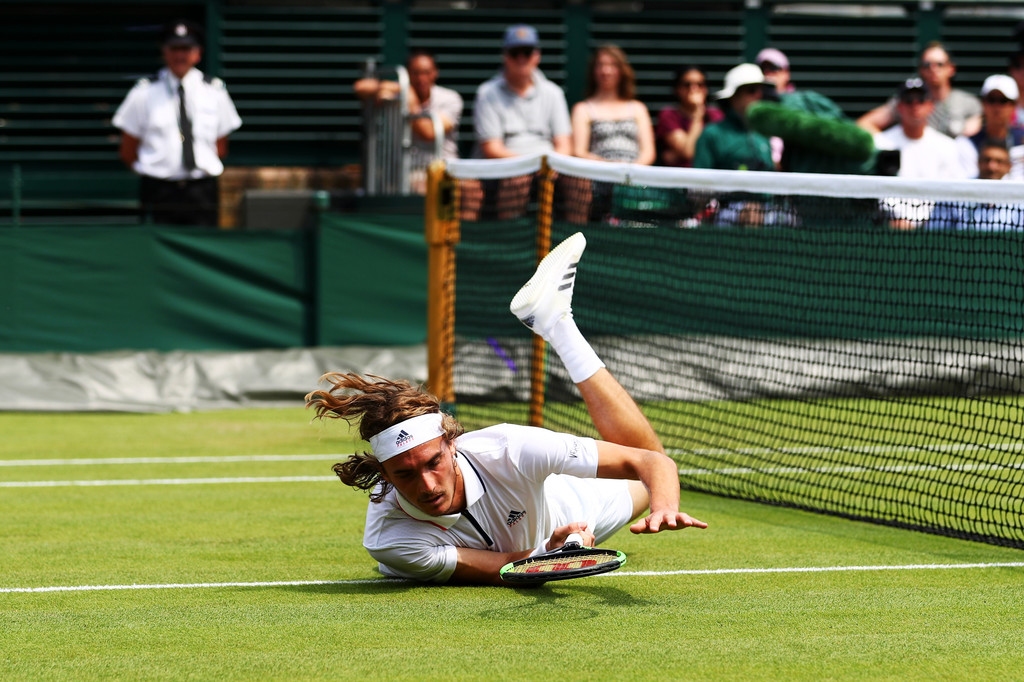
[(174, 133)]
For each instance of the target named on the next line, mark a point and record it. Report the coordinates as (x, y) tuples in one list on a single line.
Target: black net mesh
[(859, 357)]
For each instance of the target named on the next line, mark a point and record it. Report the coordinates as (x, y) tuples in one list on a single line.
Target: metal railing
[(392, 163)]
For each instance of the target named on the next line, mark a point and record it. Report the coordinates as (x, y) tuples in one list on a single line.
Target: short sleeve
[(972, 105), (561, 124), (130, 117), (417, 561), (537, 453), (450, 105), (486, 118), (668, 120), (228, 118)]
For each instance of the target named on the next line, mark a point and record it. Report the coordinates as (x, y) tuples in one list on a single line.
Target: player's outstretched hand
[(666, 520)]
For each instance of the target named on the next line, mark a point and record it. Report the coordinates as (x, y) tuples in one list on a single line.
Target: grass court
[(219, 545)]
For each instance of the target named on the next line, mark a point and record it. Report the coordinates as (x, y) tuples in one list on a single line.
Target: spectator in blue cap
[(517, 112)]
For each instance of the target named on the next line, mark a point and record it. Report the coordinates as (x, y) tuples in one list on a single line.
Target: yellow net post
[(441, 225), (545, 204)]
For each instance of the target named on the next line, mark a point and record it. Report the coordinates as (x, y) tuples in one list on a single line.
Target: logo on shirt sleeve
[(514, 517)]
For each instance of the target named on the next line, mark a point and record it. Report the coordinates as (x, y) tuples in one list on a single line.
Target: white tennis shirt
[(514, 502)]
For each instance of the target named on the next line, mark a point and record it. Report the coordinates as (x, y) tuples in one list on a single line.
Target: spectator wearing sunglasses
[(730, 144), (954, 112), (998, 100), (681, 125), (517, 112)]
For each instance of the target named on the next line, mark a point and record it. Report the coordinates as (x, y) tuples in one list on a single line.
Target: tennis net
[(841, 344)]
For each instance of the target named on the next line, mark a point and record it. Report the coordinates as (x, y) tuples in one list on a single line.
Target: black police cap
[(182, 33)]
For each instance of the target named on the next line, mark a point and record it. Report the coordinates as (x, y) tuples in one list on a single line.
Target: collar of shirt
[(538, 78), (172, 80), (474, 491)]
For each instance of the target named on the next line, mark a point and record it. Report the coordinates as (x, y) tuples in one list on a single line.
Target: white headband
[(406, 435)]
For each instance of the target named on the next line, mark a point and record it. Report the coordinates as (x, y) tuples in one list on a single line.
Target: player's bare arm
[(481, 566), (659, 475)]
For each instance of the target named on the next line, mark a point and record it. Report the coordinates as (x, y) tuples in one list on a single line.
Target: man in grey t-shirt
[(517, 112)]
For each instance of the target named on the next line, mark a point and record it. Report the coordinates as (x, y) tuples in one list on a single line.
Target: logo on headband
[(404, 438)]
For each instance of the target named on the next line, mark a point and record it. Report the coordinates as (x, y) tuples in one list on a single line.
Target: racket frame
[(568, 553)]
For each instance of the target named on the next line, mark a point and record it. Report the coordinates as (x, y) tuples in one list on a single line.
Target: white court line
[(387, 581), (167, 481), (168, 460), (177, 586), (824, 569)]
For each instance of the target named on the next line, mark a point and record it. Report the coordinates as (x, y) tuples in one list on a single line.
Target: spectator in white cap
[(730, 144), (954, 112), (775, 66), (998, 99)]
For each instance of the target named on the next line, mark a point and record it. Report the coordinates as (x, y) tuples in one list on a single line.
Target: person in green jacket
[(730, 144)]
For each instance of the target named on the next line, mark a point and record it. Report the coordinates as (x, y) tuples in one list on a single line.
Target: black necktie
[(188, 154)]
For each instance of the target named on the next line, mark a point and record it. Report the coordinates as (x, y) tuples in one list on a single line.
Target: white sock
[(573, 349)]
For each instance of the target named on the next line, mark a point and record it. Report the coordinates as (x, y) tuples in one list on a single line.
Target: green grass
[(922, 624)]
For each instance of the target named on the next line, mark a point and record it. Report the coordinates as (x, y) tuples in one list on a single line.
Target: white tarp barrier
[(148, 381)]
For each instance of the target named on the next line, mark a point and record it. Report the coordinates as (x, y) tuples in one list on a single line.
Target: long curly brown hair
[(376, 404)]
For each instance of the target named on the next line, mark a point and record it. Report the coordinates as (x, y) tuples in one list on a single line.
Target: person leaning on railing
[(425, 96)]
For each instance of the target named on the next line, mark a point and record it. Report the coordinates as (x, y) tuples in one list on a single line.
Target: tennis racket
[(571, 560)]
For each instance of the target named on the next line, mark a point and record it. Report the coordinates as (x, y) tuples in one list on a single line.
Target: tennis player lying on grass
[(450, 506)]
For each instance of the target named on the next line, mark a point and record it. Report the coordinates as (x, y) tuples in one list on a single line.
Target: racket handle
[(573, 541)]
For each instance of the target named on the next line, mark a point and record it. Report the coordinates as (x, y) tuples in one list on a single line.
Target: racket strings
[(565, 563)]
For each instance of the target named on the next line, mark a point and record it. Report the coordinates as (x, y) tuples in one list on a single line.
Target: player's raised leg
[(544, 304)]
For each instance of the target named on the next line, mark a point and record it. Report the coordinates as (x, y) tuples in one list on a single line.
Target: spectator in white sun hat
[(730, 144)]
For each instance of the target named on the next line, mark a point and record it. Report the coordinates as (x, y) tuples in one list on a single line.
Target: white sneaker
[(547, 297)]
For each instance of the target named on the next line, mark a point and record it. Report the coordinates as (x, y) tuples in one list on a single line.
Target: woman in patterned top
[(609, 124)]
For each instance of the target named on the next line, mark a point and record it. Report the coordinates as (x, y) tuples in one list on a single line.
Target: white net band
[(803, 184)]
